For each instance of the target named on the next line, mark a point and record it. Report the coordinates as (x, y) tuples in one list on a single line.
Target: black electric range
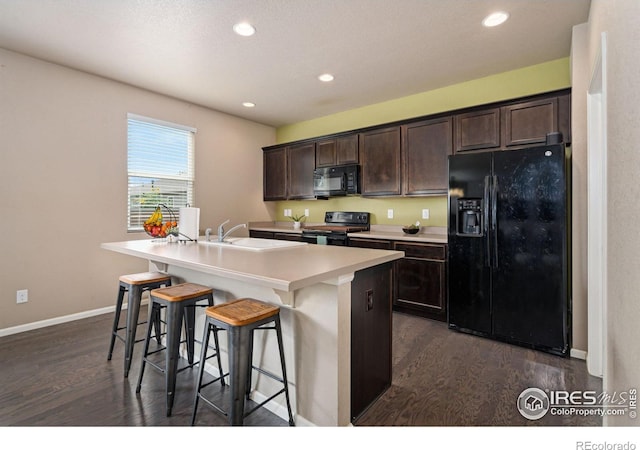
[(336, 226)]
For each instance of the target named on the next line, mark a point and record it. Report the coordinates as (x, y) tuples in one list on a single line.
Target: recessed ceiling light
[(248, 104), (244, 29), (495, 19), (326, 77)]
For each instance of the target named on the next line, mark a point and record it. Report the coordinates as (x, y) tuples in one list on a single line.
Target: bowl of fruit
[(412, 229), (156, 227)]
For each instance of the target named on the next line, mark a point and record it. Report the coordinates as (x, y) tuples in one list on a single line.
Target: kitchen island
[(313, 285)]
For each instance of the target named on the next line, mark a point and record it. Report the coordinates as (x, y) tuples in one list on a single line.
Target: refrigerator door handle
[(494, 218), (485, 227)]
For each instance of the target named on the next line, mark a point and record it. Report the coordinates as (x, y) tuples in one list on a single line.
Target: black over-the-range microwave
[(336, 180)]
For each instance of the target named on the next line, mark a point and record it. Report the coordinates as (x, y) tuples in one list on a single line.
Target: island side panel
[(323, 331), (371, 336), (316, 336)]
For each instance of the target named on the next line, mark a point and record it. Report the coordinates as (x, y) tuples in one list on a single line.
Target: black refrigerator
[(509, 246)]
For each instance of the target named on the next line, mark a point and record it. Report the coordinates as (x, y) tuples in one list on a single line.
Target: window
[(160, 167)]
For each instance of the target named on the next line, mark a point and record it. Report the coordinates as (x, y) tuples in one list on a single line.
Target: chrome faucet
[(222, 234)]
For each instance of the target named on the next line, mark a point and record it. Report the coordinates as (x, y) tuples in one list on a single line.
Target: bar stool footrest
[(268, 374), (213, 405), (281, 391), (220, 378)]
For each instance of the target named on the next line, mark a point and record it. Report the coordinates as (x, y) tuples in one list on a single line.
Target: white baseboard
[(62, 319), (578, 354)]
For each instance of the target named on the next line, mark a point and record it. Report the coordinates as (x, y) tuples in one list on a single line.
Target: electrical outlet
[(389, 213), (287, 213), (22, 296), (306, 212), (425, 213)]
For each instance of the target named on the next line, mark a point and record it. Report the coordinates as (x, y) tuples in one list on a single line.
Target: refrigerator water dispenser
[(470, 216)]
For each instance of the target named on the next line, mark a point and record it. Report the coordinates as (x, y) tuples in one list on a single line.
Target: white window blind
[(160, 167)]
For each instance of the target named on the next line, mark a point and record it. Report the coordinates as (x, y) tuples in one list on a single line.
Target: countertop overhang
[(284, 270)]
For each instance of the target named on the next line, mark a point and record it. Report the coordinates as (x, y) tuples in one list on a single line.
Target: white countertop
[(435, 235), (393, 235), (283, 269)]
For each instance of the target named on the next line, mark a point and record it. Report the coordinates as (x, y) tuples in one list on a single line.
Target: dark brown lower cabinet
[(273, 235), (261, 234), (420, 280), (382, 244), (288, 237), (371, 297)]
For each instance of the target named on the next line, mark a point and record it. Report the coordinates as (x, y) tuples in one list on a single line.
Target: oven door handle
[(315, 233)]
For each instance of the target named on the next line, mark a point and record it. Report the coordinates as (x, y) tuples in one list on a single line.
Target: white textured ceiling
[(378, 50)]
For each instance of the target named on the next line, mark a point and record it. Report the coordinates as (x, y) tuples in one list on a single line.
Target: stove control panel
[(347, 217)]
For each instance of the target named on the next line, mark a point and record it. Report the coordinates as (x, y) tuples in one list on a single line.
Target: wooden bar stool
[(135, 284), (180, 301), (240, 318)]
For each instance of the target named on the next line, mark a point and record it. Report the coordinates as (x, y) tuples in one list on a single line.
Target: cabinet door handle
[(369, 305)]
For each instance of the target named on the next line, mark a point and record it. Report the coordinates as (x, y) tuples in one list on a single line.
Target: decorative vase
[(296, 225)]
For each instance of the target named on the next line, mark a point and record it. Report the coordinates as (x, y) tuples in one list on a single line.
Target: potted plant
[(297, 221)]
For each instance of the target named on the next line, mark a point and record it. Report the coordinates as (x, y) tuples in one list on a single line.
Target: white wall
[(619, 19), (63, 182)]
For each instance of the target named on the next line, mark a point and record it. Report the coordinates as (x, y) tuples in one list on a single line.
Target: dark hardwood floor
[(446, 378), (60, 376)]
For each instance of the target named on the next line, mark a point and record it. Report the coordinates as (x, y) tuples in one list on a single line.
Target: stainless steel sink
[(254, 244)]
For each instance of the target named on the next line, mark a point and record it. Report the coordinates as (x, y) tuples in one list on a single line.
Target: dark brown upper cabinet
[(564, 116), (426, 146), (337, 151), (410, 157), (300, 165), (274, 178), (477, 130), (326, 153), (514, 124), (380, 160), (528, 123), (288, 172)]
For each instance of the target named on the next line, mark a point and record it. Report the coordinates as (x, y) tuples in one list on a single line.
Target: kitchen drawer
[(288, 237), (426, 251), (370, 243), (261, 234)]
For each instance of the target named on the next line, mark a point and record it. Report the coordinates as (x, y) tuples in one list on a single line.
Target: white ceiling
[(377, 50)]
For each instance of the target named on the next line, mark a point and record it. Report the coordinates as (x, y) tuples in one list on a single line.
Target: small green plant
[(298, 218)]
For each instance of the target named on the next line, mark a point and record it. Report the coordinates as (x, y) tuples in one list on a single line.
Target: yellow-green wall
[(405, 210), (545, 77)]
